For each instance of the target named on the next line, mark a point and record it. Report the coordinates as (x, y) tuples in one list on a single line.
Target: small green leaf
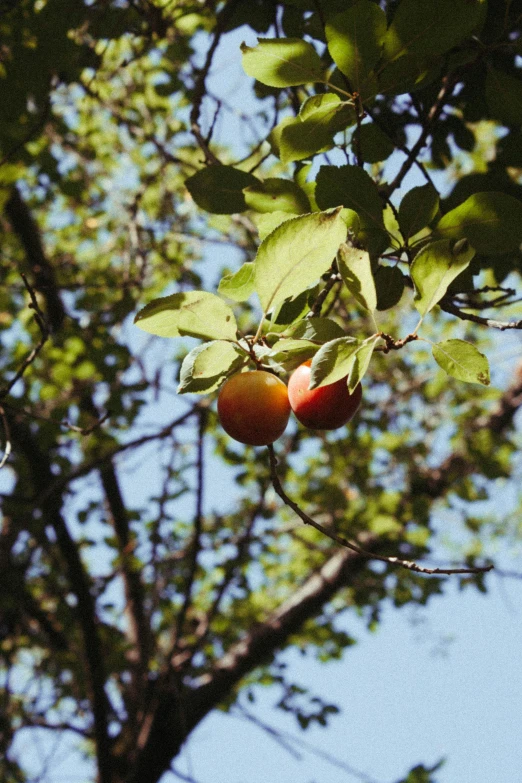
[(491, 221), (361, 362), (219, 189), (282, 62), (194, 314), (389, 283), (277, 195), (463, 361), (504, 96), (287, 351), (240, 285), (333, 361), (295, 255), (313, 131), (373, 144), (205, 368), (433, 270), (318, 330), (356, 271), (293, 309), (418, 208), (355, 39)]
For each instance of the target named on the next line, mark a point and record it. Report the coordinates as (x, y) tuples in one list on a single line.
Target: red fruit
[(253, 407), (326, 408)]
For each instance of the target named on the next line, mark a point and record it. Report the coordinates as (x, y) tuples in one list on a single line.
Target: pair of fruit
[(254, 407)]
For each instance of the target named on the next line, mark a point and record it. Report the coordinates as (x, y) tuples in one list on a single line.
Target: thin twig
[(395, 561), (199, 86), (7, 433), (31, 356), (447, 88)]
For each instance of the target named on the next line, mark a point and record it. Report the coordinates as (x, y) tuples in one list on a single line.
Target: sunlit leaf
[(355, 39), (295, 255), (192, 313), (240, 285), (463, 361), (282, 62), (356, 271), (333, 361), (491, 221), (205, 368), (434, 268)]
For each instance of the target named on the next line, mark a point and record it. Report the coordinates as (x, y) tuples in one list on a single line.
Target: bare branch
[(448, 307), (198, 524), (201, 76), (448, 85)]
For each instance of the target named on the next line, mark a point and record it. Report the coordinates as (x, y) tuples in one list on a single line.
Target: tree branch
[(396, 561), (25, 227), (451, 308), (40, 470), (222, 20)]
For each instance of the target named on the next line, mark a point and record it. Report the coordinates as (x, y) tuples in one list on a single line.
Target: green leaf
[(333, 361), (240, 285), (418, 208), (434, 268), (504, 96), (194, 314), (352, 187), (313, 131), (286, 351), (428, 28), (205, 368), (356, 271), (407, 74), (463, 361), (269, 221), (318, 330), (295, 255), (293, 309), (282, 62), (362, 362), (491, 221), (219, 189), (355, 39), (277, 195), (374, 145), (389, 283)]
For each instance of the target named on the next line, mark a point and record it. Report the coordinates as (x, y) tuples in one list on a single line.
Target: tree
[(377, 210)]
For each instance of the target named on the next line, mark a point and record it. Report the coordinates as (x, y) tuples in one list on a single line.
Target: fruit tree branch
[(396, 561)]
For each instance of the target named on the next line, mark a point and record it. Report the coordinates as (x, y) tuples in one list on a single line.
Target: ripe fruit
[(253, 407), (326, 408)]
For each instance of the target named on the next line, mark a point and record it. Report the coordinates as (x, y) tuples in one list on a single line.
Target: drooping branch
[(410, 565)]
